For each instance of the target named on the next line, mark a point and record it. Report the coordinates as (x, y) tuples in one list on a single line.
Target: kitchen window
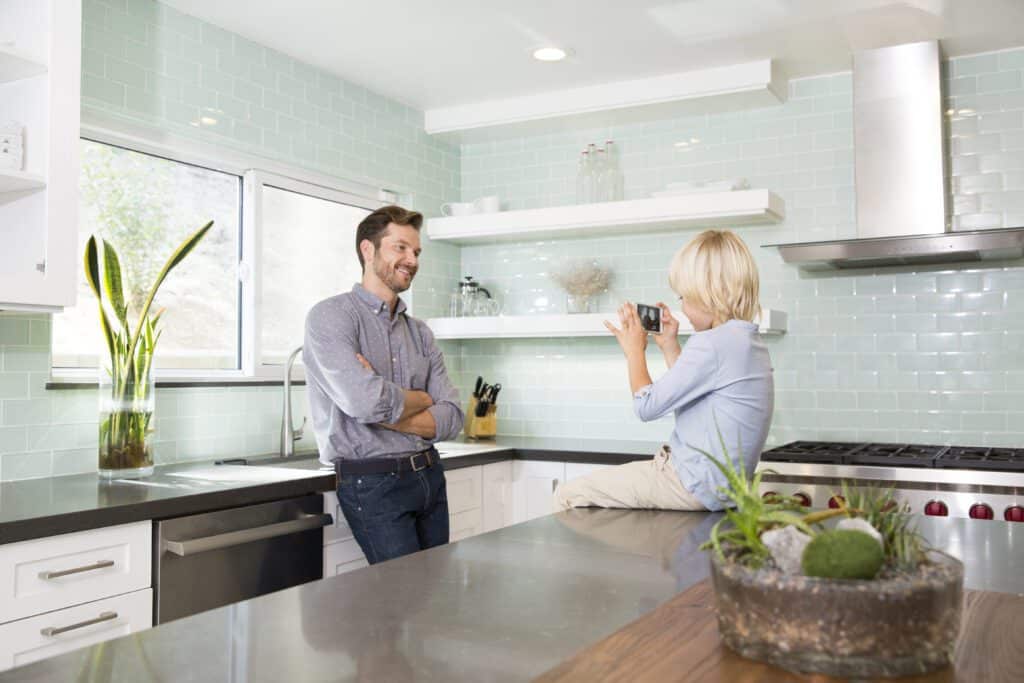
[(304, 251), (237, 304), (145, 205)]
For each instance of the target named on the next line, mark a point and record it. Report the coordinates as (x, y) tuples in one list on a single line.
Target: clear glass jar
[(580, 303), (126, 408)]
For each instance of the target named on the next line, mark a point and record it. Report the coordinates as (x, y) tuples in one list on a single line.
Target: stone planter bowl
[(860, 629)]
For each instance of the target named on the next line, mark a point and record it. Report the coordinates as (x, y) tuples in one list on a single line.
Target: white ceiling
[(439, 53)]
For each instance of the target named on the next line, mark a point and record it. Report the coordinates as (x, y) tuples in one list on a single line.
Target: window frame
[(251, 264), (254, 173)]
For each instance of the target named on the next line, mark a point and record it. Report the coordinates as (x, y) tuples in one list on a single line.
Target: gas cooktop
[(899, 455)]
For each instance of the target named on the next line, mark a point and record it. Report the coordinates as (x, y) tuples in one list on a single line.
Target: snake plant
[(123, 431)]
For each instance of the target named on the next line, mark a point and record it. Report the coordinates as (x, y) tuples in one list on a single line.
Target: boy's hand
[(365, 363), (669, 335), (632, 337)]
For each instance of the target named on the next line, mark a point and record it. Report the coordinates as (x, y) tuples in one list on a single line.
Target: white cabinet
[(51, 573), (65, 592), (465, 500), (581, 469), (481, 498), (533, 483), (47, 635), (497, 495), (341, 550), (465, 518), (39, 203), (343, 556)]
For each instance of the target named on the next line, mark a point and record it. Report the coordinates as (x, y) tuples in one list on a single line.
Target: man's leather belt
[(405, 463)]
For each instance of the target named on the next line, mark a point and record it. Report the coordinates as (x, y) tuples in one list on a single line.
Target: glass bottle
[(615, 164), (582, 171), (602, 177), (591, 184)]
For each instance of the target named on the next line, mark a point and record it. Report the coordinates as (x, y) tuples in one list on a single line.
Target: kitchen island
[(503, 606)]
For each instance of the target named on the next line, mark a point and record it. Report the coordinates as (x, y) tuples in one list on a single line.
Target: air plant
[(738, 534)]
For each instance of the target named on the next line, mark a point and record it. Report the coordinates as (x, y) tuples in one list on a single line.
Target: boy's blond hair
[(717, 272)]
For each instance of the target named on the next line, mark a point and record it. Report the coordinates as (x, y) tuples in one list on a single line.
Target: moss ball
[(842, 554)]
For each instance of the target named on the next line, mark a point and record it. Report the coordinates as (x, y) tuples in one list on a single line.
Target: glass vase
[(126, 406), (580, 303)]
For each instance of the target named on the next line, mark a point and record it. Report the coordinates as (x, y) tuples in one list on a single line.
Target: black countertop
[(36, 508), (502, 606)]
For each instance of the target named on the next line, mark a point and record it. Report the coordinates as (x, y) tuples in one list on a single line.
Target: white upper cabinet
[(39, 90)]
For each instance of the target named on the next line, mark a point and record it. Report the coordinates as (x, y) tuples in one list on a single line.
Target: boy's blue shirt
[(723, 381)]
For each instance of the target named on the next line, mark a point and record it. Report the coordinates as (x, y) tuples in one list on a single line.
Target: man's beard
[(390, 277)]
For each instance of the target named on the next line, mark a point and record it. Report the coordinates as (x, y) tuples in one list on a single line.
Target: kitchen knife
[(494, 393), (481, 408), (479, 383)]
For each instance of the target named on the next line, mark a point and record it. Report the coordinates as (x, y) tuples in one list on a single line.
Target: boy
[(721, 381)]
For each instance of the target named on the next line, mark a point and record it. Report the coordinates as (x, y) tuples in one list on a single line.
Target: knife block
[(484, 427)]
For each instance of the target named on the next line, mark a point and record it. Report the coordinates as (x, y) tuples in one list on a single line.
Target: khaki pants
[(645, 484)]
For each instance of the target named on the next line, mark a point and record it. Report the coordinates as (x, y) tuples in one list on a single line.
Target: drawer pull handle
[(56, 631), (102, 564)]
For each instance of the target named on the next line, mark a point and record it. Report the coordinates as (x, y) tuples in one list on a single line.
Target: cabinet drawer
[(29, 640), (464, 524), (464, 488), (48, 574), (339, 530), (343, 557)]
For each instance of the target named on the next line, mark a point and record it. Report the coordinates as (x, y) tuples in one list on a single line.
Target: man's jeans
[(396, 514)]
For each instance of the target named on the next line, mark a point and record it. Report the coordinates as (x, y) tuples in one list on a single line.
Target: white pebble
[(787, 547)]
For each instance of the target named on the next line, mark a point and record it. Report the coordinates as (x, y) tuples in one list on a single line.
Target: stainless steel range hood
[(875, 252), (900, 176)]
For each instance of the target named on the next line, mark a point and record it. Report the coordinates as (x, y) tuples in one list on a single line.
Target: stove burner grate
[(983, 458), (897, 455), (830, 452)]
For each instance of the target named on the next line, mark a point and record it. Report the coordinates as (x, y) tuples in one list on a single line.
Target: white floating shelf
[(19, 181), (631, 216), (723, 88), (15, 66), (544, 326)]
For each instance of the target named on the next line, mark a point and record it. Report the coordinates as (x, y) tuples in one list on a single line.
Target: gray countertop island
[(503, 606)]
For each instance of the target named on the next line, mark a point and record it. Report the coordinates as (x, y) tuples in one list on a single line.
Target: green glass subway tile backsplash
[(878, 355), (144, 62), (926, 355)]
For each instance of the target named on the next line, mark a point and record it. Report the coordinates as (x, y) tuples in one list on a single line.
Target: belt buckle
[(412, 461)]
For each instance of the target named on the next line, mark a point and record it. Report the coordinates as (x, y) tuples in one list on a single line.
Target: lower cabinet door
[(339, 530), (497, 498), (464, 524), (533, 487), (343, 557), (33, 638), (574, 470)]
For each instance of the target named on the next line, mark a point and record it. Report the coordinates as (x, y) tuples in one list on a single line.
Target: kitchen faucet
[(288, 435)]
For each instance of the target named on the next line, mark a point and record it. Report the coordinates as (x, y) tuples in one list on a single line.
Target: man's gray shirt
[(348, 401)]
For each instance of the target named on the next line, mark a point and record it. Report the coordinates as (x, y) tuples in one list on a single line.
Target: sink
[(270, 460), (234, 473)]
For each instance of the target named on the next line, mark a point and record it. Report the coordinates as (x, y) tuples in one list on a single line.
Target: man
[(380, 396)]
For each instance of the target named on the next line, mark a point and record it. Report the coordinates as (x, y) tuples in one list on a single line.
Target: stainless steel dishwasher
[(217, 558)]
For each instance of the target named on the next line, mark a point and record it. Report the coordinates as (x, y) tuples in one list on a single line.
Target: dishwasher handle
[(195, 546)]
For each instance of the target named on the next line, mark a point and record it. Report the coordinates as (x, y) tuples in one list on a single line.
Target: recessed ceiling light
[(550, 54), (207, 120)]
